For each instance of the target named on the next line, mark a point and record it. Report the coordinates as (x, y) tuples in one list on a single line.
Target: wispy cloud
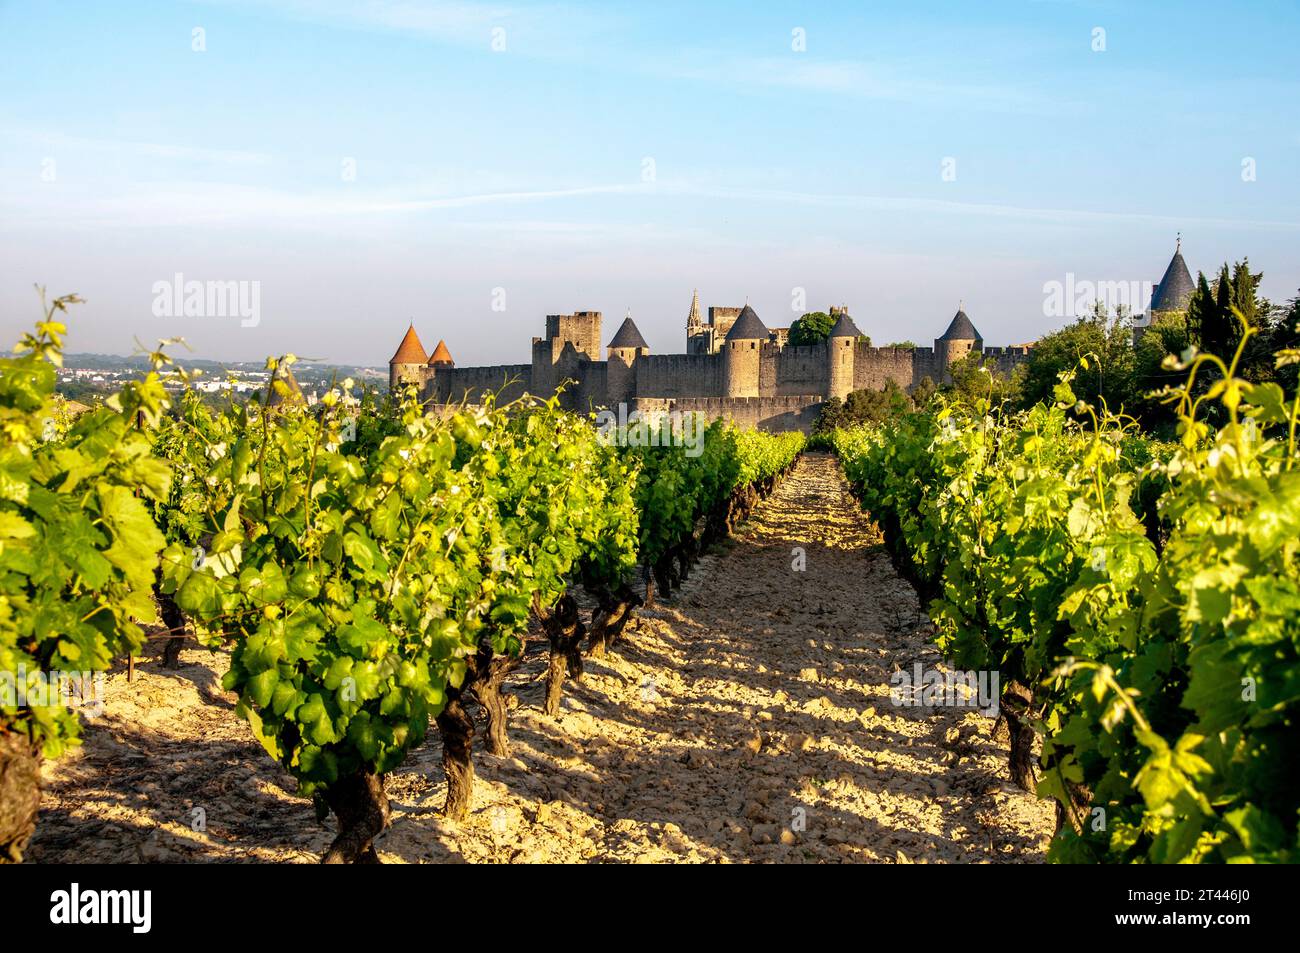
[(201, 203), (854, 78), (57, 142), (458, 22), (944, 206), (553, 31), (198, 203)]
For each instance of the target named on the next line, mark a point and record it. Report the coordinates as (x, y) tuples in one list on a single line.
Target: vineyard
[(496, 628), (1140, 600)]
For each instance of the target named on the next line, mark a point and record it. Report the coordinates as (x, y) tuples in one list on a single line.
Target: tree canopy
[(813, 328), (1108, 346)]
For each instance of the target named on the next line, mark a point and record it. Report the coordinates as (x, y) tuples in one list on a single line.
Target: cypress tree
[(1200, 314), (1245, 288), (1225, 325)]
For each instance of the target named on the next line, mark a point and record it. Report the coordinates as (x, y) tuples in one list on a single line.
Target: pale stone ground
[(747, 719)]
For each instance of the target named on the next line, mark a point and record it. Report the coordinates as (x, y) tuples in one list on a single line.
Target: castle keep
[(734, 367)]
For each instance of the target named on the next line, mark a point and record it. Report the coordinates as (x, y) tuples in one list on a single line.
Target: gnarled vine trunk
[(20, 795), (610, 618), (1016, 701), (360, 804), (174, 620), (564, 630), (484, 673), (484, 680), (662, 576), (457, 730)]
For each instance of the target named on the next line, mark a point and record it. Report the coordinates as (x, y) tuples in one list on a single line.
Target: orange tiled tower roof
[(410, 351), (441, 357)]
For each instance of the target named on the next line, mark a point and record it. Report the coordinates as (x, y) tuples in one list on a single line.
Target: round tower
[(439, 360), (742, 353), (407, 365), (959, 340), (840, 347), (620, 370)]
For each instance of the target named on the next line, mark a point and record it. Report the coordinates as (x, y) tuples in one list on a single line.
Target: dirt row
[(748, 718)]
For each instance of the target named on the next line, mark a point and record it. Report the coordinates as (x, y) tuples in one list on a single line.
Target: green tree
[(1170, 336), (1214, 324), (1285, 335), (864, 407), (1210, 318), (1202, 312), (975, 376), (812, 328), (1109, 377), (924, 391), (1245, 291)]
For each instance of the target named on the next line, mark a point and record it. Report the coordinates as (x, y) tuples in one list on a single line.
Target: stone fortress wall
[(734, 368)]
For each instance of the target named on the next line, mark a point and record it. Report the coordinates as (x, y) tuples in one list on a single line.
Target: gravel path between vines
[(745, 719)]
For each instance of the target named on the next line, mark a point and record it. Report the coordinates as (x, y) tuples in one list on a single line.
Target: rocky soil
[(746, 719)]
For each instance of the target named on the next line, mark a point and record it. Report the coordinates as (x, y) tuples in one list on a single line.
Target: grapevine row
[(1141, 602), (371, 569)]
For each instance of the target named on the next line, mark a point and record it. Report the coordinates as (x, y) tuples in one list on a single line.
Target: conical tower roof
[(1176, 287), (628, 335), (845, 328), (441, 357), (961, 329), (410, 351), (747, 327)]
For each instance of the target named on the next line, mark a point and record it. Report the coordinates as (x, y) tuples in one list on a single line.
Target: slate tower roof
[(961, 329), (747, 327), (628, 335), (1176, 287), (845, 328)]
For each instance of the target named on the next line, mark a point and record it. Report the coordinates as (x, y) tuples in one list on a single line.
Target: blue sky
[(126, 157)]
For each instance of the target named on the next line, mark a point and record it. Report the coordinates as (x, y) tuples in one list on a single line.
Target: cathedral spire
[(693, 319)]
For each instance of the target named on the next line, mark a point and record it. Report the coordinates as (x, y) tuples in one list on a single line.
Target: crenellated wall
[(679, 375), (773, 414), (874, 366), (457, 384), (1008, 358), (798, 370)]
